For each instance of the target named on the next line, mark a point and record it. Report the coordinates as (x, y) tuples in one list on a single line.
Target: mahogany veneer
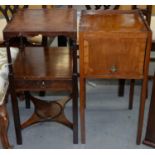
[(42, 21), (114, 45), (33, 73), (42, 69)]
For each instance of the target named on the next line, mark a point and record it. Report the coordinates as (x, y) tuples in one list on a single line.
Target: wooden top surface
[(37, 63), (42, 21), (112, 21)]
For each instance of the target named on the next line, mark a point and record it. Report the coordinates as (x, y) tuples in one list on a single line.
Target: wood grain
[(44, 22), (114, 45)]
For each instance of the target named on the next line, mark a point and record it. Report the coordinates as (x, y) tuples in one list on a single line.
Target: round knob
[(43, 83), (113, 69)]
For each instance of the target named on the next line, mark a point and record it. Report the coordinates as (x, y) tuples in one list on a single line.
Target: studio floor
[(109, 123)]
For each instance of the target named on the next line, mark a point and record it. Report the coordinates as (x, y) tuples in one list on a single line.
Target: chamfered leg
[(121, 87), (75, 110), (131, 94), (82, 109), (141, 111)]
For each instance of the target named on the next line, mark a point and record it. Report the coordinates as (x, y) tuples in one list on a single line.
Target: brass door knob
[(43, 84), (113, 69)]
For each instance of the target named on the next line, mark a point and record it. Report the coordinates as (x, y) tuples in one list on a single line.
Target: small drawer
[(37, 85)]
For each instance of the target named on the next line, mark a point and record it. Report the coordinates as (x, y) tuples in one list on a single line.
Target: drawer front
[(37, 85), (113, 56)]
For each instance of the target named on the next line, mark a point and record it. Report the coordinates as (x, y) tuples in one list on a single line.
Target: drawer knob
[(43, 83), (113, 69)]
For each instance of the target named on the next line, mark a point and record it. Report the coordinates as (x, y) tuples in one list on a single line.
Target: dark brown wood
[(43, 85), (82, 109), (132, 83), (75, 109), (22, 24), (42, 69), (8, 12), (121, 87), (4, 121), (15, 108), (48, 111), (75, 91), (27, 99), (126, 59), (150, 131), (150, 77), (62, 40), (153, 47), (141, 111), (43, 65)]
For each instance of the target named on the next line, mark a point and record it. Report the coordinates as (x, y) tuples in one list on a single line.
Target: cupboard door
[(117, 57)]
